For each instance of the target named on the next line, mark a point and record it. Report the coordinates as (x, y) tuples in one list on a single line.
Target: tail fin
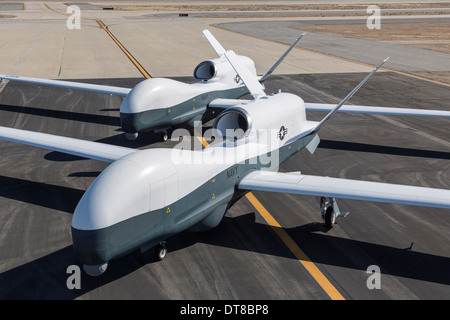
[(250, 81), (220, 50), (272, 69), (214, 43)]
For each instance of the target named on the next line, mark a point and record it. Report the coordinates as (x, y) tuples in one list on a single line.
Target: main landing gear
[(330, 211)]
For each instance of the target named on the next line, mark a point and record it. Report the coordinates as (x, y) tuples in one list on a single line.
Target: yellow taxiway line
[(306, 262), (326, 285), (127, 53), (104, 27)]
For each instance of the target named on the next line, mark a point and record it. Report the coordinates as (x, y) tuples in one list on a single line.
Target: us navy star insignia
[(282, 133)]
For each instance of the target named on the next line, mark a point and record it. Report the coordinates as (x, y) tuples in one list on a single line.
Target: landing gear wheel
[(95, 270), (161, 251), (166, 134), (131, 135), (330, 217)]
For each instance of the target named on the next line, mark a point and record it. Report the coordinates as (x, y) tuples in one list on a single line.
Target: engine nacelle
[(280, 116), (219, 69)]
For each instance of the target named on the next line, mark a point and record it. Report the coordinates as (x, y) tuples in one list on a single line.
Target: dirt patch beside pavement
[(430, 36)]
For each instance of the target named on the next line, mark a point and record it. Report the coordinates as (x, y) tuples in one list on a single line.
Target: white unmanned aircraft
[(160, 104), (146, 196)]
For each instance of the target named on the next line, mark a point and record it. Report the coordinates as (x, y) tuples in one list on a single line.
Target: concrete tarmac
[(242, 258), (402, 58)]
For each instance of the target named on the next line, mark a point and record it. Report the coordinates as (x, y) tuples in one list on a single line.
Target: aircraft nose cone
[(102, 221), (118, 193), (148, 103)]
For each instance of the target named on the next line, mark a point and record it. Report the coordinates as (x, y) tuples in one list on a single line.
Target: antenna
[(332, 112)]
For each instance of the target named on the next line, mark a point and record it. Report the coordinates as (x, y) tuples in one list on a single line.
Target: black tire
[(161, 252), (329, 217)]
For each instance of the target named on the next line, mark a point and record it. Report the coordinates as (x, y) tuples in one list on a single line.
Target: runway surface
[(243, 258), (402, 58)]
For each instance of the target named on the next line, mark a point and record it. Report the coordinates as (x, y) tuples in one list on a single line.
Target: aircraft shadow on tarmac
[(149, 138), (371, 148), (40, 194), (45, 278), (67, 115)]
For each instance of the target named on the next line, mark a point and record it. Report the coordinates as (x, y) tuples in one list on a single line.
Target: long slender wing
[(378, 110), (345, 188), (88, 149), (72, 85)]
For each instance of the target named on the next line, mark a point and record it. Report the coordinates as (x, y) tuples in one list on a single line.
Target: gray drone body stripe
[(180, 113)]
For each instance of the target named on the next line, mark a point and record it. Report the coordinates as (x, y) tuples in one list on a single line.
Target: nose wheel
[(95, 270), (131, 135), (165, 134), (161, 250)]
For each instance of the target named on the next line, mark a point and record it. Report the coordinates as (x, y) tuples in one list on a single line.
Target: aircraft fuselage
[(150, 195), (159, 103)]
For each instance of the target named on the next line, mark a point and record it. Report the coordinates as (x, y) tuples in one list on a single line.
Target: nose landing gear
[(131, 135), (95, 270), (161, 250)]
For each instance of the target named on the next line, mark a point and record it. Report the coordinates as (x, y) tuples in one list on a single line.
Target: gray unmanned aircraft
[(160, 104), (146, 196)]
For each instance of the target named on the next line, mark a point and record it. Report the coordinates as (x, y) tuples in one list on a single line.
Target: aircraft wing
[(88, 149), (378, 110), (71, 85), (297, 183)]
